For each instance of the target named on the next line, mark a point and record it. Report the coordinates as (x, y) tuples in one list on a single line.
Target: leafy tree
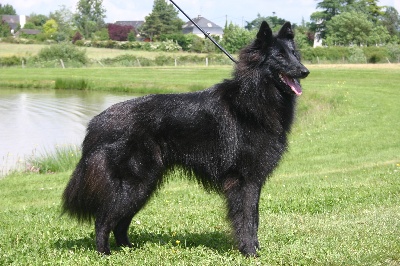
[(255, 23), (391, 20), (29, 25), (274, 22), (235, 37), (378, 35), (50, 28), (7, 9), (162, 20), (65, 20), (5, 29), (119, 32), (332, 8), (303, 36), (368, 7), (348, 28), (37, 20), (101, 35), (89, 16)]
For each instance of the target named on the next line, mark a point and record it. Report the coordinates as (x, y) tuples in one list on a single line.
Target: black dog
[(230, 136)]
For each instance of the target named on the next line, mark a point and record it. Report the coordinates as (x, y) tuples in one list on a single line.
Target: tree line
[(335, 23)]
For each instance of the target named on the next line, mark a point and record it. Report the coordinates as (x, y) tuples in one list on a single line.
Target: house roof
[(134, 23), (205, 24), (28, 31), (11, 20)]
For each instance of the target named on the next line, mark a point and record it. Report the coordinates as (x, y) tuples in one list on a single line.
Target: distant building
[(317, 40), (135, 24), (27, 32), (15, 21), (205, 24)]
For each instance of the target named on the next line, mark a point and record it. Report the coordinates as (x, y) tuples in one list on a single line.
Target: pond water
[(36, 121)]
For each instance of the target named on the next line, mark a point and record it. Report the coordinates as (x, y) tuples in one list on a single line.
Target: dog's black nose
[(305, 72)]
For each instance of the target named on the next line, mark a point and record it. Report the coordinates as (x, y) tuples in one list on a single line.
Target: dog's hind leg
[(121, 232), (117, 215), (135, 181), (243, 200)]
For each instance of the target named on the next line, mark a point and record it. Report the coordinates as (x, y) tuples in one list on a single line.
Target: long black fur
[(230, 136)]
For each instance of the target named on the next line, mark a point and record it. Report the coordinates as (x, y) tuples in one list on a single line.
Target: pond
[(33, 122)]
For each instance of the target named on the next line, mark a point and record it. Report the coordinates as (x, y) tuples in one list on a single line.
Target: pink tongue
[(295, 86)]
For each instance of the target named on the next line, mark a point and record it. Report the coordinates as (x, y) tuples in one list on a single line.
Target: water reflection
[(35, 120)]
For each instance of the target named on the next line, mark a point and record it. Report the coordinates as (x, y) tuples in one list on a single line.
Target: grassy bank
[(137, 80), (334, 200)]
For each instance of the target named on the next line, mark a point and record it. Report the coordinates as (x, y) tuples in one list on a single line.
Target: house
[(135, 24), (205, 24), (15, 21), (27, 32)]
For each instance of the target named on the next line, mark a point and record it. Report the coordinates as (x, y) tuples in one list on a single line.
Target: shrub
[(332, 54), (375, 54), (184, 40), (77, 37), (11, 61), (63, 51), (169, 46), (394, 52), (163, 60), (79, 43), (357, 55)]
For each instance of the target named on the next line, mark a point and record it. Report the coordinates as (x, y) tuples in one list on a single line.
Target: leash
[(206, 34)]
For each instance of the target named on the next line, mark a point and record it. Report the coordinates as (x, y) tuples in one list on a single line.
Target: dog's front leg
[(243, 199)]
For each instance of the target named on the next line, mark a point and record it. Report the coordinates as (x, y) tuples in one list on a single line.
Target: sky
[(236, 11)]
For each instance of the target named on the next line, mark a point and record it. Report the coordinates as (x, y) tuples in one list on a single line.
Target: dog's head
[(277, 58)]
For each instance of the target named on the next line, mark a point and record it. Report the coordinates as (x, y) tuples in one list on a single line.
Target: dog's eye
[(281, 54)]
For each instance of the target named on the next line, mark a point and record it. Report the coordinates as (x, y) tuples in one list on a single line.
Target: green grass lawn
[(334, 199)]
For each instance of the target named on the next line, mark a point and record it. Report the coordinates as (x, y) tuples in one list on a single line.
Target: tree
[(50, 28), (37, 20), (330, 8), (7, 9), (89, 16), (119, 32), (303, 37), (235, 37), (391, 20), (273, 21), (348, 28), (378, 35), (162, 20), (255, 23), (368, 7), (65, 20), (5, 29), (77, 37)]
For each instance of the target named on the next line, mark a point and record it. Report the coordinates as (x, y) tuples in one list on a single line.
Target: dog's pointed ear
[(286, 31), (264, 35)]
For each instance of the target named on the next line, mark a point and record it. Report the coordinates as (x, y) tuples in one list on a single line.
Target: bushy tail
[(87, 189)]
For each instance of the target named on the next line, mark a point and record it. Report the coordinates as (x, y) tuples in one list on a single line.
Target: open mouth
[(292, 83)]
